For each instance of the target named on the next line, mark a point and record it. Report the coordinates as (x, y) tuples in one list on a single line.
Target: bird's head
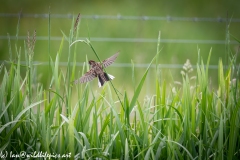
[(91, 62)]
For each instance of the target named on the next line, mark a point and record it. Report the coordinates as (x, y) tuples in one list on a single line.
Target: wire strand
[(121, 17), (132, 40), (126, 65)]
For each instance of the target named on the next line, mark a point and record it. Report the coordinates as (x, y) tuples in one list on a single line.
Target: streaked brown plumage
[(97, 71)]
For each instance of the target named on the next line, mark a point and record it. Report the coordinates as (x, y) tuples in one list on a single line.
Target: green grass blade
[(220, 140), (140, 85), (147, 156), (234, 132), (71, 142), (126, 153), (26, 109), (184, 148)]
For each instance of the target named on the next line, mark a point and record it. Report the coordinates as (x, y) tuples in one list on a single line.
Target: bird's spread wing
[(110, 60), (90, 75)]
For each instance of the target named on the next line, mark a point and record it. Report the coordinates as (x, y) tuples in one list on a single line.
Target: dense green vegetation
[(187, 121)]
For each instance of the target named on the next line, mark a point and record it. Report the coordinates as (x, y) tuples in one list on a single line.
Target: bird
[(96, 71)]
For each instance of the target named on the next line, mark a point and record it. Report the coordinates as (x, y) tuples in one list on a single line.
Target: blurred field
[(179, 38), (146, 112)]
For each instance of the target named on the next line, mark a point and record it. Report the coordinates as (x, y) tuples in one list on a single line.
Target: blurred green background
[(130, 27)]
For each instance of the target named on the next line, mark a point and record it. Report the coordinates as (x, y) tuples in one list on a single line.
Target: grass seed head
[(76, 22)]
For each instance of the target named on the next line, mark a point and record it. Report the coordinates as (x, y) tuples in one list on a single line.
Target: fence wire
[(121, 17), (140, 40), (121, 65), (127, 40)]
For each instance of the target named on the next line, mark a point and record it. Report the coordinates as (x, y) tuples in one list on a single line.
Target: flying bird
[(97, 71)]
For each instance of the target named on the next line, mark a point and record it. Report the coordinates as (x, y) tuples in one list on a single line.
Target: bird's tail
[(103, 78)]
